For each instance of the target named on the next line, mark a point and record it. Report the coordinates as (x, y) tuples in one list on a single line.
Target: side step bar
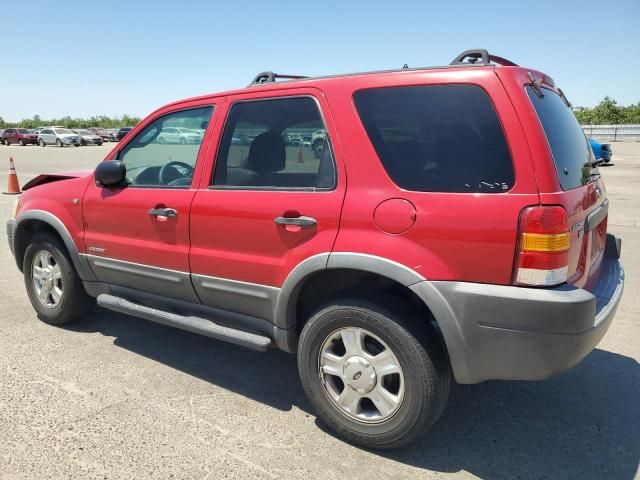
[(191, 324)]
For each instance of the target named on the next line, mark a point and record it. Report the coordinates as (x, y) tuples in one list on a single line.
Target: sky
[(84, 58)]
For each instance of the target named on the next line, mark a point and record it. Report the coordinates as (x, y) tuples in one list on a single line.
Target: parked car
[(58, 136), (602, 151), (317, 142), (121, 133), (112, 135), (87, 137), (179, 135), (103, 133), (21, 136), (469, 241)]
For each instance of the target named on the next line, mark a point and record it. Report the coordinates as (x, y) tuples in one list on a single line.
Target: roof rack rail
[(270, 77), (473, 56)]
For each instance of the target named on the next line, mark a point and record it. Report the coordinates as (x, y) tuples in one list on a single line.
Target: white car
[(179, 135), (58, 136)]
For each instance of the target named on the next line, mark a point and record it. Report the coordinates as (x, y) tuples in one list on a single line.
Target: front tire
[(59, 143), (42, 143), (54, 288), (373, 376), (21, 143)]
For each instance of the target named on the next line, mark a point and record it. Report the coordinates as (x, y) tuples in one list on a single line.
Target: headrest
[(267, 153)]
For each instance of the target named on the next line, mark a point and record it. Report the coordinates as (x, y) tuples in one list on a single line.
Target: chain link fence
[(613, 133)]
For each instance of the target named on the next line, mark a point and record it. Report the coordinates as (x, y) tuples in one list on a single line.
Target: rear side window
[(275, 144), (437, 138), (569, 146)]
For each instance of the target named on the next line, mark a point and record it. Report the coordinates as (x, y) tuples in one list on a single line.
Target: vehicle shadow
[(583, 424)]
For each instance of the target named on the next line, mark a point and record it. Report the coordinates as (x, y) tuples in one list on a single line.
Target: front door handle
[(163, 212), (303, 222)]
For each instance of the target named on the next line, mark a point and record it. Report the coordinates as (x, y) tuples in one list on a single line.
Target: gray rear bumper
[(515, 333)]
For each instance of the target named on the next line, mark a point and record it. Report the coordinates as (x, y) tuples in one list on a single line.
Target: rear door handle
[(163, 212), (304, 222)]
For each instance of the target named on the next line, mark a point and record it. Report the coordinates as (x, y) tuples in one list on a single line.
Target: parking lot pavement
[(117, 397)]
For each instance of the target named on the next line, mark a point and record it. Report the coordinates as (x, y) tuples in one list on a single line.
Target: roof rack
[(480, 56), (270, 77)]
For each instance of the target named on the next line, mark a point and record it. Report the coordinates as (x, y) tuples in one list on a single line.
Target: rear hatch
[(582, 192)]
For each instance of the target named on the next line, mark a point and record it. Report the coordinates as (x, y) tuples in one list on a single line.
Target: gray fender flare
[(424, 289), (79, 262)]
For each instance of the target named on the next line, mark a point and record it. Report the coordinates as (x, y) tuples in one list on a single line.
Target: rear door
[(266, 205), (582, 192)]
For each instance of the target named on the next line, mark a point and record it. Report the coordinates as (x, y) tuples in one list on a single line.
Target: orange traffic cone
[(299, 158), (13, 187)]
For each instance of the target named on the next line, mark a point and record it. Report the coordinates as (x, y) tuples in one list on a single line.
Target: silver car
[(58, 136), (87, 137), (180, 135)]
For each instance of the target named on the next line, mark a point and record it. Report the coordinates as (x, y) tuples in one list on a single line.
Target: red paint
[(443, 236)]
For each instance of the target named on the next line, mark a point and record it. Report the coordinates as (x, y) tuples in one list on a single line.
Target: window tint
[(437, 138), (569, 146), (154, 159), (275, 144)]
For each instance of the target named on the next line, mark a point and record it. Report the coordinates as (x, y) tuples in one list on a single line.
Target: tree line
[(101, 121), (608, 112)]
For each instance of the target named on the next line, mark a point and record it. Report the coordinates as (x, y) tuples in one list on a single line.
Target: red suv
[(21, 136), (454, 223)]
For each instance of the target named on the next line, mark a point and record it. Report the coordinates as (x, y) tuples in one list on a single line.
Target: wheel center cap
[(359, 374)]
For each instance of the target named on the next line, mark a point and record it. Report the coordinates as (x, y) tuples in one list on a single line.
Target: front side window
[(437, 138), (275, 144), (152, 161), (570, 148)]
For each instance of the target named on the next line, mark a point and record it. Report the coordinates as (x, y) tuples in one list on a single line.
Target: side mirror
[(110, 173)]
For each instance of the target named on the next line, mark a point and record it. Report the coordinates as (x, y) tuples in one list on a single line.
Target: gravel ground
[(118, 397)]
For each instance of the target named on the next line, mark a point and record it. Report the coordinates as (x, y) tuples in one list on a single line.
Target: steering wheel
[(164, 171)]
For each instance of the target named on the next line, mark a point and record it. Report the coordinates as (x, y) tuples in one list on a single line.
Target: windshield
[(84, 132), (23, 130), (63, 131), (569, 146)]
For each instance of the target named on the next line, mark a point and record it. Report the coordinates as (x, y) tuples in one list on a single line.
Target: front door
[(137, 235), (270, 203)]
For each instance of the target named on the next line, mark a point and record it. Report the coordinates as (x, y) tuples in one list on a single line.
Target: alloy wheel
[(47, 279), (361, 375)]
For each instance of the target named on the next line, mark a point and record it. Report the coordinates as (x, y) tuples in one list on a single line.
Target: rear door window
[(569, 146), (437, 138), (268, 144)]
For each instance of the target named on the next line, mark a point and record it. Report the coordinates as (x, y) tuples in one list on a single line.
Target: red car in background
[(21, 136)]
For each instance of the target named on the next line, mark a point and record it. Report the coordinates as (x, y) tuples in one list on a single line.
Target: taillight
[(542, 257)]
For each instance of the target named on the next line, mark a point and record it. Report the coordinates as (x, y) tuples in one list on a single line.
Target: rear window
[(569, 146), (437, 138)]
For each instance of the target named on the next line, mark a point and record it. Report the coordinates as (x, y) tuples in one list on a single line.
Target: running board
[(190, 324)]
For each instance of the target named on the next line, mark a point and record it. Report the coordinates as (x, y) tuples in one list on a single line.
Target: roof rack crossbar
[(270, 77), (480, 56)]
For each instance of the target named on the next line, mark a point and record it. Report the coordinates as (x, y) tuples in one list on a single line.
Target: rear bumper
[(515, 333)]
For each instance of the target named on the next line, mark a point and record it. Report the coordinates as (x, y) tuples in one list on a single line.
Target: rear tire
[(411, 398), (54, 288)]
